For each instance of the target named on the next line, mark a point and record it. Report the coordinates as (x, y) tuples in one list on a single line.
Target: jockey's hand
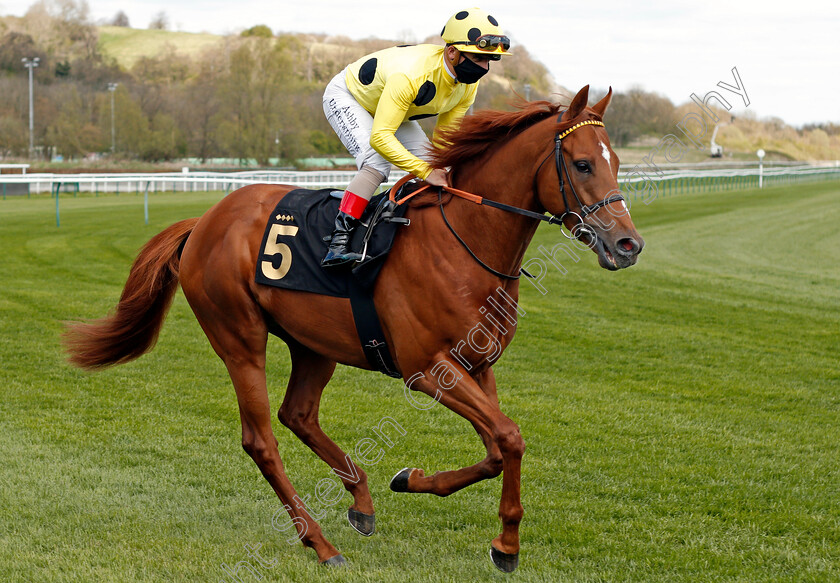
[(438, 177)]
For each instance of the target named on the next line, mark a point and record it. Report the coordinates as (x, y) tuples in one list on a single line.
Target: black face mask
[(468, 72)]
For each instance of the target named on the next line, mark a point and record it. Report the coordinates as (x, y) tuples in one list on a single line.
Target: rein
[(467, 247), (560, 164), (474, 198)]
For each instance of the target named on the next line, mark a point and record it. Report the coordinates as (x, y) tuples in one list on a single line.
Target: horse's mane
[(484, 130)]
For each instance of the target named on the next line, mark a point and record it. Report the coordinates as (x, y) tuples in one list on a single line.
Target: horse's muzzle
[(619, 254)]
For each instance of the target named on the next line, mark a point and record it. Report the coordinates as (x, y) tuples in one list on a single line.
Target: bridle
[(575, 232), (560, 163)]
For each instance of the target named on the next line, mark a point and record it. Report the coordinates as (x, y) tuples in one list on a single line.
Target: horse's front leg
[(448, 482), (475, 400)]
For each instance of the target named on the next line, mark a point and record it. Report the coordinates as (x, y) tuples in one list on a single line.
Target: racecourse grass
[(681, 416)]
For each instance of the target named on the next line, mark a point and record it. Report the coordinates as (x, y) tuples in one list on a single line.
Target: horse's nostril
[(628, 246)]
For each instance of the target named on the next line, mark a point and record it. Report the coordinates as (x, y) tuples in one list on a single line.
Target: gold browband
[(589, 122)]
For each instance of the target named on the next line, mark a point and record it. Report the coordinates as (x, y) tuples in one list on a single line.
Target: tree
[(72, 133), (163, 140), (159, 22), (63, 28), (830, 128), (62, 69), (14, 140), (258, 94), (14, 46), (166, 69), (15, 102), (131, 124), (120, 19), (199, 115), (637, 113), (520, 69), (260, 30)]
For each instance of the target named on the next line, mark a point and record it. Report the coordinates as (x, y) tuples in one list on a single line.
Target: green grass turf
[(681, 416)]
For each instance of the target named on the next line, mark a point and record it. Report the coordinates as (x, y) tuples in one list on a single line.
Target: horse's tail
[(132, 329)]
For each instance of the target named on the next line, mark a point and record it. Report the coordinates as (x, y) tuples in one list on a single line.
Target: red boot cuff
[(353, 205)]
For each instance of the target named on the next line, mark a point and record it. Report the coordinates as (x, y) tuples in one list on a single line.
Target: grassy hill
[(128, 45)]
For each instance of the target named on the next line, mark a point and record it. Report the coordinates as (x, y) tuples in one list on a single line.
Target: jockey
[(373, 105)]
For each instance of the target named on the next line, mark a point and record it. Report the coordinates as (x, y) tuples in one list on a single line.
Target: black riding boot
[(339, 253)]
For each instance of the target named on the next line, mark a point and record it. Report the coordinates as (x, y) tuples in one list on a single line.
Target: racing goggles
[(488, 43)]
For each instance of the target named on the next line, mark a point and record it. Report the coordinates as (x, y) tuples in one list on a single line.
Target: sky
[(787, 55)]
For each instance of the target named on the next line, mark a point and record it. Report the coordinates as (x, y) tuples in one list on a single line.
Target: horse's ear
[(602, 105), (577, 105)]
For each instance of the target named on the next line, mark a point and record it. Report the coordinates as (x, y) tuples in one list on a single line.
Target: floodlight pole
[(112, 87), (31, 64)]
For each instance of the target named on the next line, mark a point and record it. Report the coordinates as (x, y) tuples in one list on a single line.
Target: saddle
[(297, 236), (296, 239)]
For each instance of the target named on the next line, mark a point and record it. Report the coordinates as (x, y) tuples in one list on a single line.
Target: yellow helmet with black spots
[(475, 31)]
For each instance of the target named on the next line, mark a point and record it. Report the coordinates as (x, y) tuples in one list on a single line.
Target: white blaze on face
[(605, 152)]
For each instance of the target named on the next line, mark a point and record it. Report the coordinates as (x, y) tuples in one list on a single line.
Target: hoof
[(336, 561), (503, 561), (399, 483), (363, 523)]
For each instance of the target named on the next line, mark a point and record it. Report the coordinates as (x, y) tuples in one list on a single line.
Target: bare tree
[(159, 22), (120, 19)]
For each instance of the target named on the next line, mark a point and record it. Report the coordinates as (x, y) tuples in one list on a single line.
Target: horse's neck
[(497, 237)]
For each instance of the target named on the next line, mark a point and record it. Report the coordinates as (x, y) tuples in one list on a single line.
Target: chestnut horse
[(537, 159)]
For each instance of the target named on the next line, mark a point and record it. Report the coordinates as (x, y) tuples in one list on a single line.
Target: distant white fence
[(645, 182), (708, 178), (21, 167), (685, 178), (177, 181), (638, 182)]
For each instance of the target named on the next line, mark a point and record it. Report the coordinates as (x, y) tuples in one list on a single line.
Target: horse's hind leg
[(310, 374), (259, 442), (238, 334)]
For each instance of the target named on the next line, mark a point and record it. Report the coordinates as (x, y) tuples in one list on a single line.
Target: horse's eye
[(583, 167)]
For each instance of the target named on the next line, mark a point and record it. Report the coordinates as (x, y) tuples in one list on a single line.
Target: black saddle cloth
[(294, 243)]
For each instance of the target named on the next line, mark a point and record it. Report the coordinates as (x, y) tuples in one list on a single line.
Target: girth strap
[(370, 331)]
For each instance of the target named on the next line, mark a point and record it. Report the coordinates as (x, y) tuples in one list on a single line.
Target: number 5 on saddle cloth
[(296, 239)]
